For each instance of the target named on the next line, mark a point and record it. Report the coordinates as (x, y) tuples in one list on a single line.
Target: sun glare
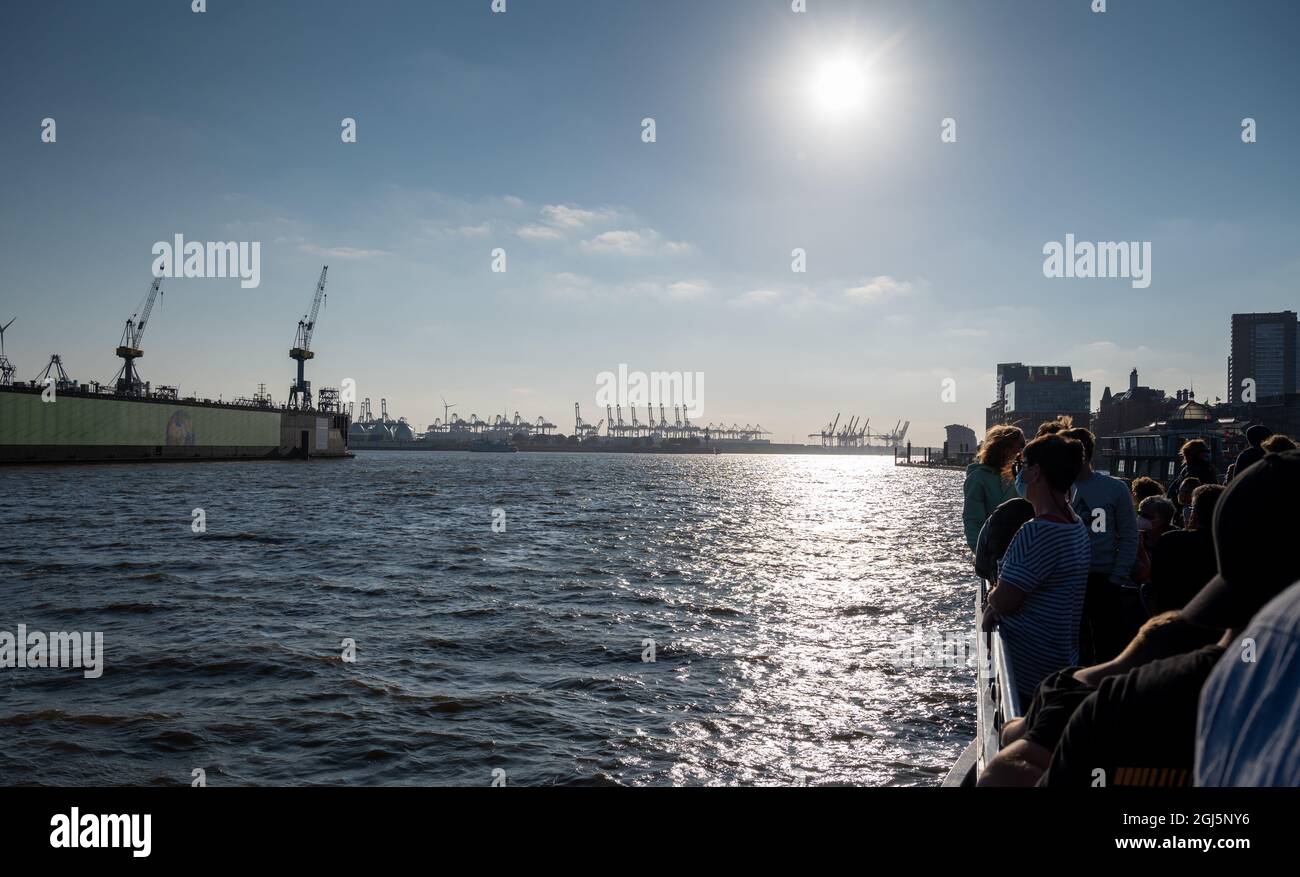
[(839, 86)]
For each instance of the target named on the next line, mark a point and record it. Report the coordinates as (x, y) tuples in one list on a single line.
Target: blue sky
[(522, 131)]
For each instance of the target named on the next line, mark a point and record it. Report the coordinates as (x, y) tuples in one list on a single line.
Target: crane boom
[(155, 289), (308, 324)]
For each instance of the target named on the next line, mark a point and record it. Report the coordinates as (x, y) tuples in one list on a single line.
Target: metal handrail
[(999, 700)]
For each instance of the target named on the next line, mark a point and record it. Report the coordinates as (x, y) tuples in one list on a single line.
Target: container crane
[(300, 392), (6, 367), (127, 381)]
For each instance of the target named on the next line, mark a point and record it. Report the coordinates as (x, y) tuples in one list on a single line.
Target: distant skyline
[(775, 131)]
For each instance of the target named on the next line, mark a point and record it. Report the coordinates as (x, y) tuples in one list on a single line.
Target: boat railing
[(999, 702)]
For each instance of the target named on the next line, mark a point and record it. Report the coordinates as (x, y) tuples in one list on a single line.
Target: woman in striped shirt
[(1038, 599)]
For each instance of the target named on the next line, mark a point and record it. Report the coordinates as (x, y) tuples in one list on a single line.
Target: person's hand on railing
[(989, 620)]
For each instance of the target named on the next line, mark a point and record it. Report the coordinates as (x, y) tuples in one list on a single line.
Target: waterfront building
[(1154, 449), (1135, 407), (960, 442), (1027, 395)]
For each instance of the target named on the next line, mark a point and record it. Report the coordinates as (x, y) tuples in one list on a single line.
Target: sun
[(839, 86)]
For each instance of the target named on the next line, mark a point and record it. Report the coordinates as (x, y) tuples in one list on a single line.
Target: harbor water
[(527, 619)]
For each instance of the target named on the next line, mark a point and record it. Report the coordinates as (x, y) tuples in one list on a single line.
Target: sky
[(523, 131)]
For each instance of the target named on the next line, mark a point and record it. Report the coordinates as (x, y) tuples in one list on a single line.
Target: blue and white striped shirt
[(1049, 561)]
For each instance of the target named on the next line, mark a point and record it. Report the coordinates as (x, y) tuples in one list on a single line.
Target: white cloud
[(879, 287), (539, 233), (574, 217), (577, 286), (688, 289), (343, 252), (634, 243), (755, 297)]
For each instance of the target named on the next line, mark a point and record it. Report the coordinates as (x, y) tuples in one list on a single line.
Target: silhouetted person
[(1253, 454), (1106, 507), (1182, 561)]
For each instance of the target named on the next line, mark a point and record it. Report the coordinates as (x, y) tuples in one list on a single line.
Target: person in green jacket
[(988, 480)]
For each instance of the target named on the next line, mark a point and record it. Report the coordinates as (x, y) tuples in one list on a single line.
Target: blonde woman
[(989, 481)]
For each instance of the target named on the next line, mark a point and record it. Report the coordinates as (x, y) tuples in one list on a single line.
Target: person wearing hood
[(989, 480), (1253, 454)]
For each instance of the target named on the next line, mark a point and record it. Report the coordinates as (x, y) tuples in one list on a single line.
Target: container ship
[(55, 419)]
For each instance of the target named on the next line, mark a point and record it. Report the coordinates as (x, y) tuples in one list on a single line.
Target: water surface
[(775, 590)]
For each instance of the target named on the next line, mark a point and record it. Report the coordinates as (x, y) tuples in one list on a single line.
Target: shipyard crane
[(55, 375), (127, 380), (6, 367), (300, 392)]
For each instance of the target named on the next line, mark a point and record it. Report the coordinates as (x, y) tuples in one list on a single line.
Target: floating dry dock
[(83, 426)]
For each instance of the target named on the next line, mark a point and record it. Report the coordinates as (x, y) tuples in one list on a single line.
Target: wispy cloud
[(880, 287), (580, 287), (539, 233), (688, 289), (755, 298), (634, 243), (572, 216), (343, 252)]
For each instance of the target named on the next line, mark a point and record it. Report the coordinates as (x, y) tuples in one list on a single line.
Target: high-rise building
[(1031, 394), (1264, 350)]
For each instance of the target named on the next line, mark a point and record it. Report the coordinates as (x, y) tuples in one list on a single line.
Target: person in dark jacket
[(1196, 464), (1182, 561), (997, 533), (1253, 454)]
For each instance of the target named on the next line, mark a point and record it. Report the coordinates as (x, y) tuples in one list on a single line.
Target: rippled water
[(775, 589)]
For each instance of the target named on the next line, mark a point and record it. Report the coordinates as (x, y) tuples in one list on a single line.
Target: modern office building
[(1027, 395), (1263, 349)]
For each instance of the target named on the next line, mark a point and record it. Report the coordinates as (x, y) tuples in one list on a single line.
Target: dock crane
[(55, 374), (127, 380), (6, 367), (300, 392)]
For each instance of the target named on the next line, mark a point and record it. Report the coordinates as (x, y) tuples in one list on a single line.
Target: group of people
[(1152, 631)]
